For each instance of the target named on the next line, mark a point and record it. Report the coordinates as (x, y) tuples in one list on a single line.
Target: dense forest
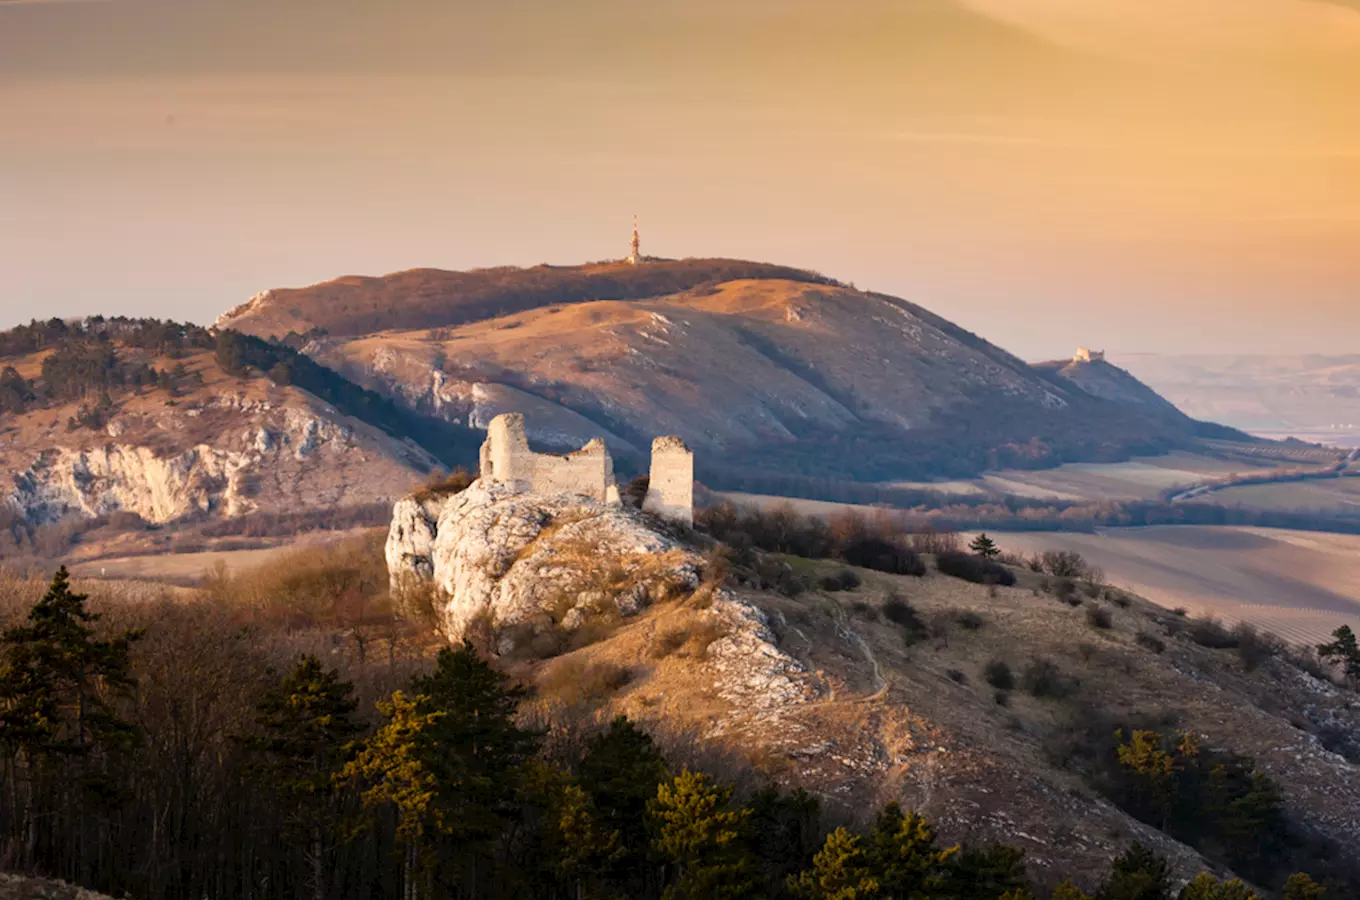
[(189, 750)]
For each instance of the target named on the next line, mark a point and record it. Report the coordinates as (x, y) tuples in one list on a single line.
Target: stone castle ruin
[(1087, 355), (589, 472)]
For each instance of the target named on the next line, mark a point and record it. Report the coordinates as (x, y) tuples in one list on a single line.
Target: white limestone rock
[(516, 559)]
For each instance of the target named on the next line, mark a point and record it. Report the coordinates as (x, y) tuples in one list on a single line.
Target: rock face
[(525, 563), (525, 567), (228, 456)]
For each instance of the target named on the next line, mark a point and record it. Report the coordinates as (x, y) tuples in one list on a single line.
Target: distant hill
[(766, 369)]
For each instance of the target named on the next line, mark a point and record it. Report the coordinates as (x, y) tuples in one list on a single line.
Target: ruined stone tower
[(508, 461), (670, 488)]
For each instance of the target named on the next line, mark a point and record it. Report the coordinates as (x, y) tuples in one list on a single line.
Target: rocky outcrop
[(528, 563), (521, 567), (228, 456)]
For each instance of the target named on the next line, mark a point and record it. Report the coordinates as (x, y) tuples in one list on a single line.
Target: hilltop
[(773, 370)]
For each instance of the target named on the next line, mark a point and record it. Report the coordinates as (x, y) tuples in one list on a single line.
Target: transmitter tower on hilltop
[(635, 249)]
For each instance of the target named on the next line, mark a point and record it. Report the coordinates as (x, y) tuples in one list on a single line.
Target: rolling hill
[(763, 368)]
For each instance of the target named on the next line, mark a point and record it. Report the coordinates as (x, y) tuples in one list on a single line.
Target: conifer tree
[(703, 838), (1138, 874), (908, 863), (987, 873), (305, 726), (984, 546), (1343, 651), (841, 870), (1207, 887), (621, 770), (1302, 887), (58, 725), (450, 760)]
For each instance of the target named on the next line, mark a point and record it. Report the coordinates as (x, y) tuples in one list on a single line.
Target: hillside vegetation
[(430, 298), (966, 727)]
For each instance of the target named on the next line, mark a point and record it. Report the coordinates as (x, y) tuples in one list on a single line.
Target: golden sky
[(1154, 175)]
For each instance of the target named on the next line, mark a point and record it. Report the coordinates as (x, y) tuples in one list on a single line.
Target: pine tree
[(1069, 891), (305, 726), (1302, 887), (620, 770), (1343, 651), (842, 870), (984, 546), (1138, 874), (450, 760), (1207, 887), (703, 838), (908, 863), (987, 873), (58, 724)]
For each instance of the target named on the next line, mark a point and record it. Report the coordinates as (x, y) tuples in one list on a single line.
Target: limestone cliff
[(251, 447), (525, 569)]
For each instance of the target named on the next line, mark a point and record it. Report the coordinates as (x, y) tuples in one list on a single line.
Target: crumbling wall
[(670, 489), (506, 459)]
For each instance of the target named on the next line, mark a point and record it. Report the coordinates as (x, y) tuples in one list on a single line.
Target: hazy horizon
[(1140, 176)]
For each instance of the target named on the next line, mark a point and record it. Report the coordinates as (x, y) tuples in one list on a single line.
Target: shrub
[(905, 617), (1063, 563), (844, 580), (573, 680), (1209, 632), (1256, 647), (977, 569), (440, 485), (883, 555), (1099, 617), (1150, 641), (1042, 679), (933, 541), (999, 675), (969, 620), (1065, 590), (957, 676)]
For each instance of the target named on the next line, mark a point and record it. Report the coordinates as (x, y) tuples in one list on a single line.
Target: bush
[(440, 485), (1256, 647), (957, 676), (1208, 632), (1150, 641), (969, 620), (1063, 563), (574, 681), (999, 675), (901, 614), (883, 555), (1099, 617), (1042, 679), (976, 569), (844, 580), (1066, 591)]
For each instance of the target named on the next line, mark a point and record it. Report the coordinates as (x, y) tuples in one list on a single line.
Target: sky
[(1139, 175)]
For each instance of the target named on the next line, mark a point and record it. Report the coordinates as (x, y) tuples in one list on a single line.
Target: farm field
[(1299, 585), (1333, 495), (1141, 478)]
